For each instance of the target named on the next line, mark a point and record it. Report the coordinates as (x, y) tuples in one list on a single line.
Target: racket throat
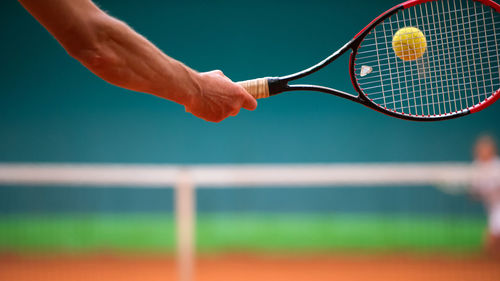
[(277, 85)]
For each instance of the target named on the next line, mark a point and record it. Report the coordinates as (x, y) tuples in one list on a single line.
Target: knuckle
[(219, 117), (235, 106), (211, 118), (240, 97)]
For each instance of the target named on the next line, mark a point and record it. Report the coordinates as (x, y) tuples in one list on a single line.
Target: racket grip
[(258, 88)]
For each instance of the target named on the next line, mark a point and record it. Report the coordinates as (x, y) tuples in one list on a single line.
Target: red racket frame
[(280, 84)]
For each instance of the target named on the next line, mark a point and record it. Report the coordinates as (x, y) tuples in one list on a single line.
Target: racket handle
[(258, 88)]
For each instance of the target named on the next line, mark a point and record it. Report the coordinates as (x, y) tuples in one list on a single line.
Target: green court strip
[(242, 232)]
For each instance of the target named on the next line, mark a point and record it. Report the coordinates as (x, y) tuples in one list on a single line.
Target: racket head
[(455, 73)]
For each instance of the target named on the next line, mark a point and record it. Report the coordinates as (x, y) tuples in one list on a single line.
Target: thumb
[(249, 102)]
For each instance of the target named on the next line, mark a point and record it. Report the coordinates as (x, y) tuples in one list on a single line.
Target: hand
[(219, 98)]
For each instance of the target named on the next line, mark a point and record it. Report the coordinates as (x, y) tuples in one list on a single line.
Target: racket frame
[(281, 84)]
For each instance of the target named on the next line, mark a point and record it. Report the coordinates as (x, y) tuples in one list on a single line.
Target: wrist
[(182, 84), (191, 88)]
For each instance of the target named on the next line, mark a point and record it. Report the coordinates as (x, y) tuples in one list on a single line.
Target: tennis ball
[(409, 43)]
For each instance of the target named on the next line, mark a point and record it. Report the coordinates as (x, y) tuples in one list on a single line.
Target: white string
[(379, 75), (374, 56), (429, 69), (494, 84), (449, 58), (439, 62), (457, 99), (458, 69), (435, 36), (427, 57), (453, 87), (404, 69), (428, 66), (489, 62), (397, 72), (480, 56), (406, 88), (390, 72), (444, 80), (404, 65), (429, 72), (461, 58), (427, 24), (419, 48), (495, 37), (447, 12), (412, 75), (420, 69), (473, 56), (424, 114)]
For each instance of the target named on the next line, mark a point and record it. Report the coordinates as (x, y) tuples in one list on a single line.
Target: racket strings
[(423, 96), (432, 70), (471, 83), (486, 37), (459, 68), (427, 24), (435, 57)]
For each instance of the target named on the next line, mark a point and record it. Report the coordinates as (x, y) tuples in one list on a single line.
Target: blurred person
[(113, 51), (486, 187)]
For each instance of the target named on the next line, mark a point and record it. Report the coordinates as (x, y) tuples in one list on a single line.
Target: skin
[(485, 151), (112, 50)]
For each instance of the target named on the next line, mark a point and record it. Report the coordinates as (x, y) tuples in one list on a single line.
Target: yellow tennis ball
[(409, 43)]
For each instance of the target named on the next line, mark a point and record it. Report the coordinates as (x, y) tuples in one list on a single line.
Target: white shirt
[(486, 184)]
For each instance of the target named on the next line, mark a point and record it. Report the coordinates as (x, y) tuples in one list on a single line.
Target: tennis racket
[(422, 60)]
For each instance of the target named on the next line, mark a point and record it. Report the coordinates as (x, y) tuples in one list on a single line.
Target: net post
[(185, 223)]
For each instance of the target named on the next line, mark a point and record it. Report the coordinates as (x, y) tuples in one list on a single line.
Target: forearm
[(126, 59), (116, 53), (112, 50)]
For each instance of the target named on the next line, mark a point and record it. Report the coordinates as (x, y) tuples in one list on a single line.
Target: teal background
[(54, 110)]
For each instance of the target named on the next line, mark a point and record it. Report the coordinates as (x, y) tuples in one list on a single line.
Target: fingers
[(220, 98), (216, 72), (249, 102), (235, 112)]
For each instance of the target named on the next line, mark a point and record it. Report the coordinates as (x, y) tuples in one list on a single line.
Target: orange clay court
[(250, 268)]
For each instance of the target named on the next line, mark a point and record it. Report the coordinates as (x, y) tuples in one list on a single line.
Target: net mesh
[(445, 60)]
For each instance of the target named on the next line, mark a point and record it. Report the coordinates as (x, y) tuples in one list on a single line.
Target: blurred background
[(54, 110)]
